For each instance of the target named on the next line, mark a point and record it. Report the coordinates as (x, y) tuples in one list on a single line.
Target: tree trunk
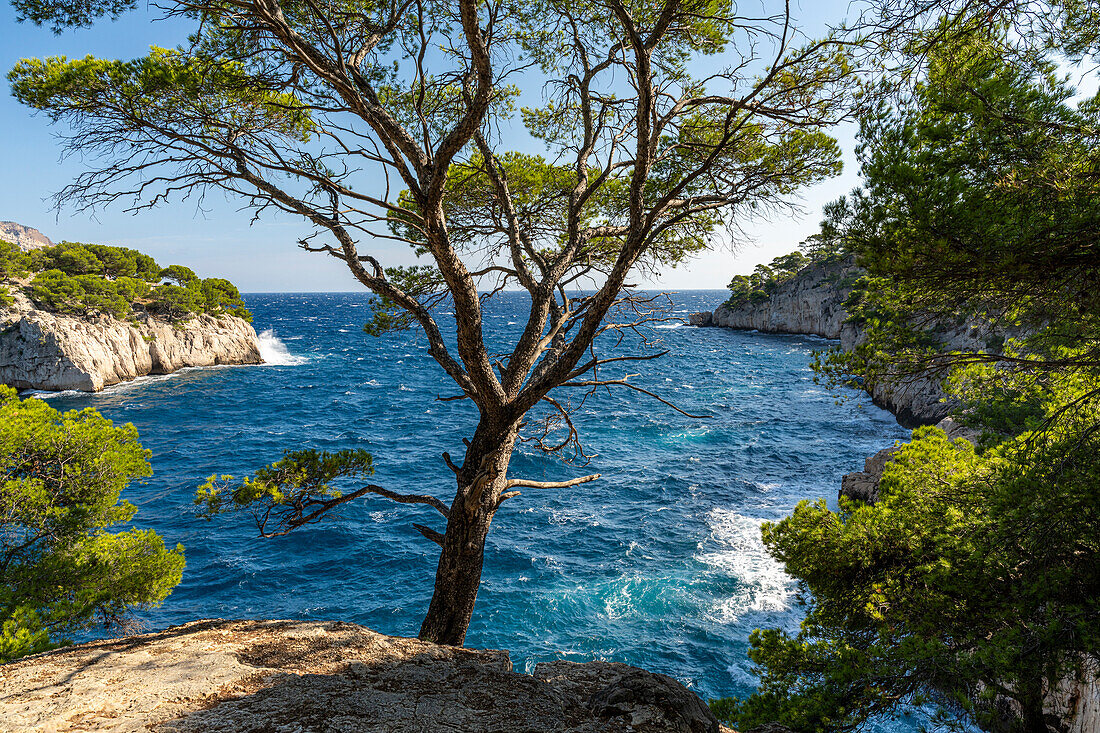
[(1031, 702), (458, 576)]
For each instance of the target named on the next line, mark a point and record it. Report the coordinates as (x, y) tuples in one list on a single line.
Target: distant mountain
[(23, 237)]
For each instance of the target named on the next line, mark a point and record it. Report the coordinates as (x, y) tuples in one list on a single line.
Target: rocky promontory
[(812, 303), (40, 349), (304, 676)]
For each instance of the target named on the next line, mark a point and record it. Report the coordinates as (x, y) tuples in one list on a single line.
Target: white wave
[(42, 394), (734, 547), (274, 351), (120, 386), (670, 325)]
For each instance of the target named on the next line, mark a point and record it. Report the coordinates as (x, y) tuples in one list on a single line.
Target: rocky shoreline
[(235, 676), (53, 351), (812, 303)]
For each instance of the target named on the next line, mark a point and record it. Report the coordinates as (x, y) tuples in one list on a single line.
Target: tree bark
[(481, 480)]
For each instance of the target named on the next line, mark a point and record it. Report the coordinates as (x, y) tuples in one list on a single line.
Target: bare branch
[(528, 484)]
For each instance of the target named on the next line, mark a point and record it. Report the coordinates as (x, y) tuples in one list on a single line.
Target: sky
[(218, 239)]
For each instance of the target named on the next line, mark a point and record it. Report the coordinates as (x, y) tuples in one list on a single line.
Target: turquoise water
[(658, 564)]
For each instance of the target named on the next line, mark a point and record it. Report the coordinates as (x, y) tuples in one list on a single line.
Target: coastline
[(54, 352)]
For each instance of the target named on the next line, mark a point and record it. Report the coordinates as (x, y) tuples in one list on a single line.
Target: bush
[(13, 263), (759, 286), (61, 477), (176, 303)]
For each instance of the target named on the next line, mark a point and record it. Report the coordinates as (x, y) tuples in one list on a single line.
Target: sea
[(658, 564)]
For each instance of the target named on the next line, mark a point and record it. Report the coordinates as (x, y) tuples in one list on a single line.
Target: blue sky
[(262, 257)]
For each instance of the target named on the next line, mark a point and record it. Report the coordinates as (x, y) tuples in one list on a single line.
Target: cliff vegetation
[(80, 279), (971, 579)]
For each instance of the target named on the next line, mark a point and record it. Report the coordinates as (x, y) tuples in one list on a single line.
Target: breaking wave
[(275, 352)]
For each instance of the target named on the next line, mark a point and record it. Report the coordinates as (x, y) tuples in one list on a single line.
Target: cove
[(658, 564)]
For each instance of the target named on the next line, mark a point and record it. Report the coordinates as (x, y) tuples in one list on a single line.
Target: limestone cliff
[(812, 303), (240, 676), (25, 238), (53, 351)]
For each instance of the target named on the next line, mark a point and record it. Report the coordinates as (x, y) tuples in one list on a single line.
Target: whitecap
[(274, 351), (734, 547)]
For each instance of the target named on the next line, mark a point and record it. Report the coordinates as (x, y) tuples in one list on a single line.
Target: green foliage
[(13, 263), (176, 303), (5, 296), (81, 294), (75, 258), (829, 244), (763, 281), (61, 476), (972, 578), (180, 275), (221, 296), (61, 14), (419, 281), (82, 278), (289, 493), (166, 88), (981, 201)]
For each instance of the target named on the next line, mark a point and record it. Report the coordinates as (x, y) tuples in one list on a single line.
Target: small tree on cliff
[(376, 119)]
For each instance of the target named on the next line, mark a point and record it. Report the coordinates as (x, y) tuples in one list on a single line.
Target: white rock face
[(25, 238), (812, 303), (52, 351)]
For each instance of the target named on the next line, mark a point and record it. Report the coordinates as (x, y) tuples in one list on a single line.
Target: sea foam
[(275, 352)]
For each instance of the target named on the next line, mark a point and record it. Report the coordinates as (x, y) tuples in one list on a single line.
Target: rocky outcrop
[(25, 238), (53, 351), (302, 676), (812, 303)]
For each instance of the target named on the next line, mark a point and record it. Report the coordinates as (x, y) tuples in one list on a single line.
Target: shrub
[(176, 303), (13, 262)]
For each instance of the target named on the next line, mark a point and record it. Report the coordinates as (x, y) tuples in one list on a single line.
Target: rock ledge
[(303, 676)]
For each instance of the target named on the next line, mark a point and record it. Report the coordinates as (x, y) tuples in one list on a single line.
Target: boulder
[(706, 318)]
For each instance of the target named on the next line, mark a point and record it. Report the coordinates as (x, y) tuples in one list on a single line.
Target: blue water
[(658, 564)]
